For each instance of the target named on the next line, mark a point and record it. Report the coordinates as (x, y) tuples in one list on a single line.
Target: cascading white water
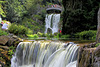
[(44, 54), (0, 19), (52, 22)]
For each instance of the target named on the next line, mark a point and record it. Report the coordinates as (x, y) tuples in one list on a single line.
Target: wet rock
[(97, 64), (5, 51), (96, 57), (13, 40), (91, 45), (4, 58), (3, 40), (85, 57), (9, 40), (89, 56)]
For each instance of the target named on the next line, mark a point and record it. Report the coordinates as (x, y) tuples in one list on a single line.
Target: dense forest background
[(77, 16)]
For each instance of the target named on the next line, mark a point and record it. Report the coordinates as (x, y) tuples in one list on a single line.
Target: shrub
[(57, 36), (38, 16), (97, 44), (29, 31), (40, 34), (90, 35), (18, 29), (11, 50), (65, 36), (3, 32), (47, 35), (35, 24)]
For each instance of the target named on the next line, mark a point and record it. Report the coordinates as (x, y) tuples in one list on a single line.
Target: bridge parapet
[(54, 9)]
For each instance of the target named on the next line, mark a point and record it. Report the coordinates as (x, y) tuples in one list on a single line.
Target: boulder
[(13, 40), (9, 40), (3, 40), (96, 57), (5, 43)]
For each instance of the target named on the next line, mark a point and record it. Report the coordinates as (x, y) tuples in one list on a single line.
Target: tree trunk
[(98, 28)]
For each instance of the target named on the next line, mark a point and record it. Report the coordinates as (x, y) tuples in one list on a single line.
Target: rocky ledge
[(89, 56), (7, 43)]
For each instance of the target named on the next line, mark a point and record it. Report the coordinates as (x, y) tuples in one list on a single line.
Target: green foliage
[(30, 13), (33, 36), (29, 31), (97, 44), (38, 16), (49, 3), (18, 29), (40, 34), (57, 35), (3, 32), (47, 35), (2, 12), (15, 10), (43, 35), (79, 16), (65, 36), (90, 35), (33, 25), (18, 9), (11, 50)]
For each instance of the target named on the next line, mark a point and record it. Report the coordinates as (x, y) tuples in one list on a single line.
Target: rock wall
[(89, 56), (5, 49), (96, 57)]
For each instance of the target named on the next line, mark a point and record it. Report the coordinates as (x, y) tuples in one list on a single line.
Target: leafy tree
[(2, 12), (15, 10), (79, 15)]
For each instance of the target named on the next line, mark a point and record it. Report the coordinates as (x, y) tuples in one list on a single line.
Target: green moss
[(97, 44), (33, 36)]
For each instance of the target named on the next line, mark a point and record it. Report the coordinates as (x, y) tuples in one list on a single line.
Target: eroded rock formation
[(89, 56), (5, 48)]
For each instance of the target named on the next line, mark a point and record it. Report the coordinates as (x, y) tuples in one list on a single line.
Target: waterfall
[(0, 19), (45, 54), (52, 22)]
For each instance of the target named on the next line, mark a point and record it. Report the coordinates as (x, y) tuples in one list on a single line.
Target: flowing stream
[(52, 22), (45, 54)]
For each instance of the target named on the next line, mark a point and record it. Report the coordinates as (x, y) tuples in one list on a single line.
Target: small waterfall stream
[(52, 22), (45, 54)]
